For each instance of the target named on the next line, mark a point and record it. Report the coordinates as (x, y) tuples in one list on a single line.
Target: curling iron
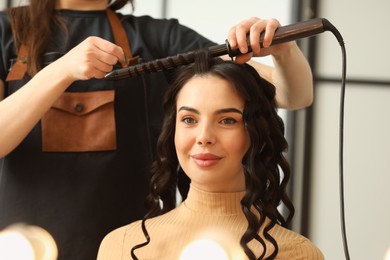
[(282, 34)]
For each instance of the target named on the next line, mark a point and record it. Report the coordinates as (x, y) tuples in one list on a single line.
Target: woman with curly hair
[(221, 147)]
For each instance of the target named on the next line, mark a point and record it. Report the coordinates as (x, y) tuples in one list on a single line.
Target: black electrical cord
[(337, 34), (341, 154)]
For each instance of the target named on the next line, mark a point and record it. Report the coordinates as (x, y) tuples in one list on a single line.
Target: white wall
[(363, 25)]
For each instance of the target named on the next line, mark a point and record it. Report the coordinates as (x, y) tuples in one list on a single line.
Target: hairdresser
[(77, 148)]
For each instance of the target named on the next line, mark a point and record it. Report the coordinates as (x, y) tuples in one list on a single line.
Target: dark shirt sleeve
[(6, 41), (182, 39), (158, 38)]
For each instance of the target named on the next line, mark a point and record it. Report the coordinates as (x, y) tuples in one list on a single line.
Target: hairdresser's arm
[(291, 73), (19, 112)]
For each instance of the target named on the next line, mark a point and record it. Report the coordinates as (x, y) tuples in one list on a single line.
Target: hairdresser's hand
[(92, 58), (255, 26)]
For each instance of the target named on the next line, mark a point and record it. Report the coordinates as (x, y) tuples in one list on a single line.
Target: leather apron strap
[(120, 38), (19, 69)]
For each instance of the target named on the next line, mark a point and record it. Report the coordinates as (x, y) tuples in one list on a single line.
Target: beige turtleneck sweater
[(201, 212)]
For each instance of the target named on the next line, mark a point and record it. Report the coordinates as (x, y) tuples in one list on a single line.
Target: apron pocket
[(80, 122)]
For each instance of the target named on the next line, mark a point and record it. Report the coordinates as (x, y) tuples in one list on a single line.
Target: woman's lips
[(206, 159)]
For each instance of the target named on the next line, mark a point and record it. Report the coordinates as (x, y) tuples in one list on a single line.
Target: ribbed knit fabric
[(217, 215)]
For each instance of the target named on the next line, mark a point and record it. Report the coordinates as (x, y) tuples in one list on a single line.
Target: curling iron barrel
[(282, 34)]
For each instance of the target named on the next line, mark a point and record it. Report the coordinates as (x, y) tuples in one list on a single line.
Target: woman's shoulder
[(293, 245), (114, 243), (118, 234), (134, 229)]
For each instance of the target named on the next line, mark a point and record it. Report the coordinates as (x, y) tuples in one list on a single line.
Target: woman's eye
[(188, 120), (228, 121)]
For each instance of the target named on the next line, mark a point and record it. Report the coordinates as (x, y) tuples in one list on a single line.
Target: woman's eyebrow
[(190, 109), (228, 110), (219, 111)]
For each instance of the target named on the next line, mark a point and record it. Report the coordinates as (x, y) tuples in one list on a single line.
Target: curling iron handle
[(289, 33)]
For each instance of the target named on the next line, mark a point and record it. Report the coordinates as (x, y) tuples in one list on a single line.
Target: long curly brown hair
[(32, 25), (265, 185)]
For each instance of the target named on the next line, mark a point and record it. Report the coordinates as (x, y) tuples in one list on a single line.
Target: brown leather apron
[(80, 121)]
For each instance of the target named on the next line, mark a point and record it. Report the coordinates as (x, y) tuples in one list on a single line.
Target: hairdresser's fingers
[(254, 27), (269, 27), (109, 52), (92, 58), (237, 35)]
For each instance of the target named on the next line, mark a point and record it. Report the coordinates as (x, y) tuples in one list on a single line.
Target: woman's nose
[(206, 135)]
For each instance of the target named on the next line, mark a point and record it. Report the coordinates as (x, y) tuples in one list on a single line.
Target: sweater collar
[(212, 203)]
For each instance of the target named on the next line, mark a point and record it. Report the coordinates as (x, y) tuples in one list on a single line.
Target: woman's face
[(210, 137)]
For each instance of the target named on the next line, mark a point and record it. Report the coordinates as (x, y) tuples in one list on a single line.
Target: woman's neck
[(211, 203), (82, 5)]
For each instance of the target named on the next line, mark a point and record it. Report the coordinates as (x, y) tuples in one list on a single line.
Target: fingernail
[(232, 43)]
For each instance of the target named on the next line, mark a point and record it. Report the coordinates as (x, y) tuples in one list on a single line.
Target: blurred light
[(215, 244), (14, 245), (204, 248), (387, 255), (20, 241)]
